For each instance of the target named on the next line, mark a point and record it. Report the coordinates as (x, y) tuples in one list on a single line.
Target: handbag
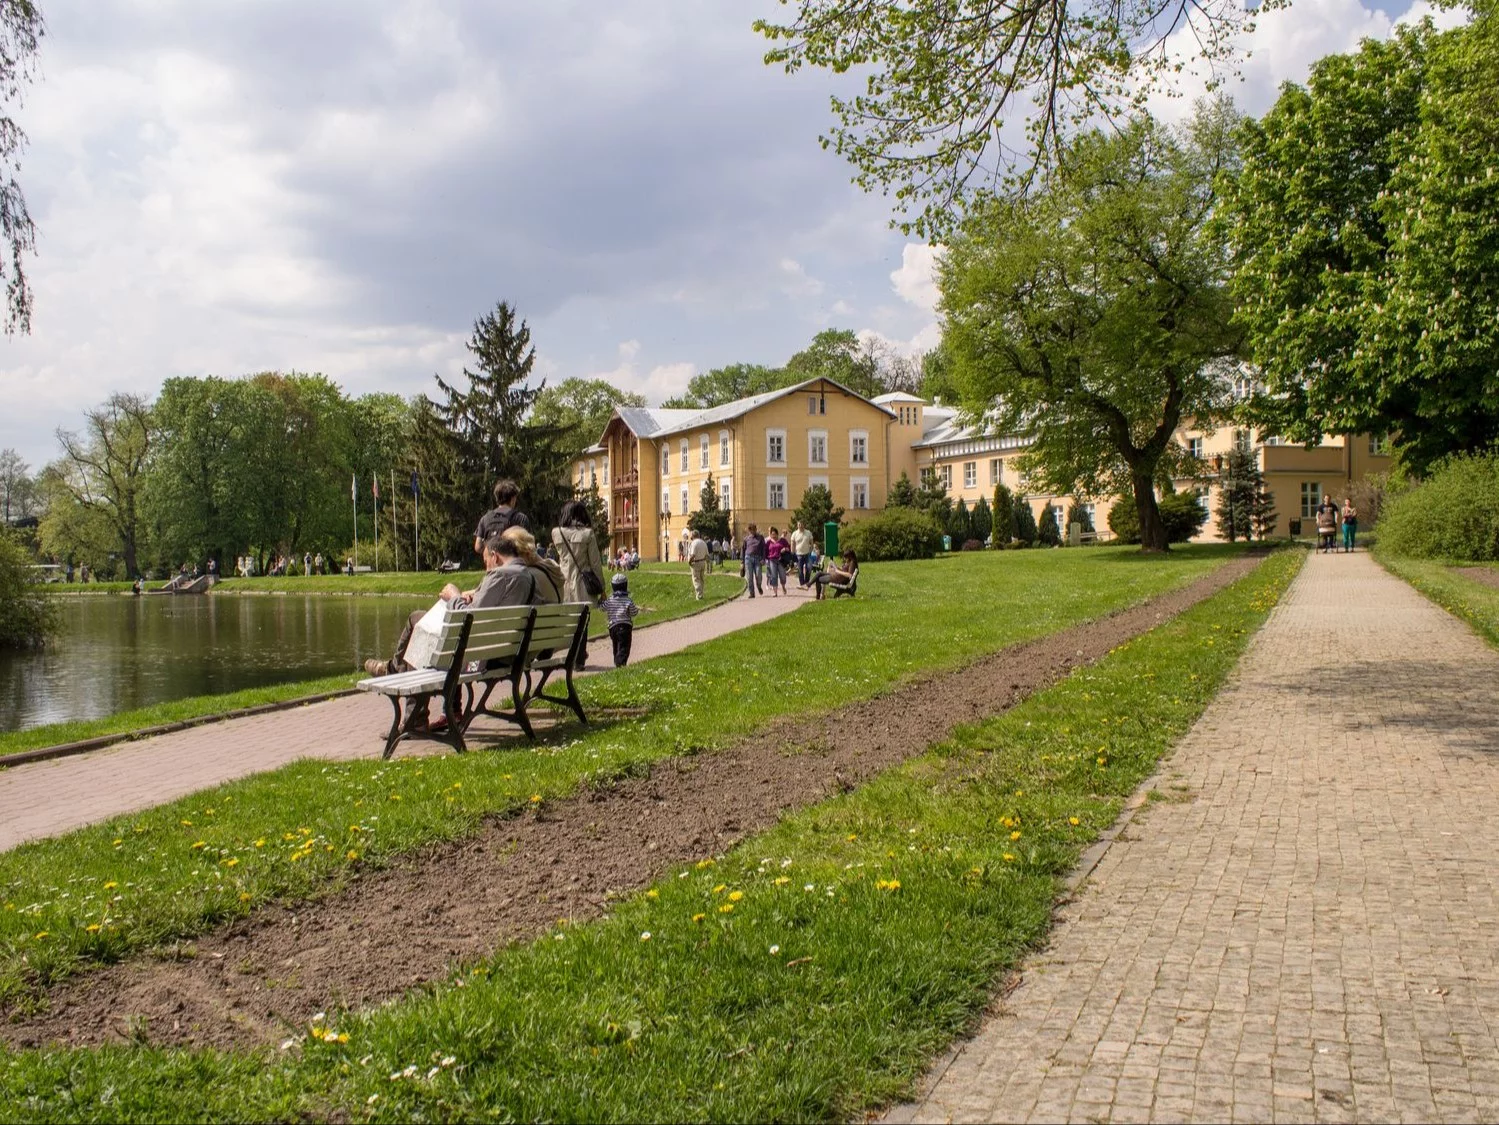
[(591, 580)]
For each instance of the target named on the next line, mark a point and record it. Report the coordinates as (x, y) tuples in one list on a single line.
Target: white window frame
[(666, 500), (684, 447), (770, 438), (1204, 499), (1311, 498), (970, 474), (666, 459), (771, 484), (686, 497), (1379, 445), (812, 482), (1091, 510), (996, 470), (702, 450), (593, 474), (723, 449), (1243, 441), (813, 437), (944, 474), (1194, 447), (854, 485), (853, 438), (726, 493)]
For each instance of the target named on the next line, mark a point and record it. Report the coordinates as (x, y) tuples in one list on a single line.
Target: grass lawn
[(105, 891), (1474, 602), (810, 974), (662, 595)]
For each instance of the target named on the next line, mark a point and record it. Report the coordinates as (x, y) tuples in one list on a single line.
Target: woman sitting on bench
[(839, 577)]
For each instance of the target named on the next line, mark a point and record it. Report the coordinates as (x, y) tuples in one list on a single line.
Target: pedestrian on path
[(621, 610), (801, 546), (697, 558), (752, 561), (582, 564), (1350, 524), (1327, 524), (773, 569), (503, 516)]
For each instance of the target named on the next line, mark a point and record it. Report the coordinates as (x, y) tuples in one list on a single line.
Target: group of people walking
[(1330, 518), (771, 560)]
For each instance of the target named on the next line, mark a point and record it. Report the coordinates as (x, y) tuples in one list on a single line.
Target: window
[(775, 492), (725, 495), (666, 501), (684, 499), (666, 460), (859, 492), (1241, 441), (1059, 518), (1203, 500), (1379, 445), (1311, 499), (1272, 439), (1091, 512), (858, 447), (944, 474), (813, 482), (775, 447), (723, 448), (684, 455), (817, 447), (702, 449), (1194, 447), (996, 468), (593, 474), (970, 474), (817, 404)]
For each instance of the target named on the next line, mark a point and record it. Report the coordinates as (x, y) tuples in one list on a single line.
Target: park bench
[(849, 588), (489, 647)]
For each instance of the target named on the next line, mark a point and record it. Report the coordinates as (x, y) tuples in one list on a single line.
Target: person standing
[(306, 563), (503, 516), (697, 558), (801, 547), (774, 572), (752, 560), (578, 554), (620, 609), (1350, 523), (1327, 524)]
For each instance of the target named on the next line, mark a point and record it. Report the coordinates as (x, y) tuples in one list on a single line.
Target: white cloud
[(916, 280), (795, 282)]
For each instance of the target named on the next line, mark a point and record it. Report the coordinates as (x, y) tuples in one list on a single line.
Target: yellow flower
[(185, 823), (119, 842), (201, 844), (698, 917), (92, 928), (704, 864), (782, 880), (352, 854), (653, 893), (244, 896), (1015, 835), (41, 935), (111, 885), (718, 890), (726, 908), (231, 862), (535, 798), (735, 896), (260, 843), (1008, 858), (887, 884), (353, 828), (853, 836), (1073, 820)]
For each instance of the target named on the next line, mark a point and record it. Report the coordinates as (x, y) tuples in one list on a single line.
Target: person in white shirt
[(802, 545), (697, 558)]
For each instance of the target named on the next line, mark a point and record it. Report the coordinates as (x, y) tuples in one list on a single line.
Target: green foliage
[(1238, 487), (981, 522), (103, 472), (1090, 313), (1004, 516), (902, 493), (896, 533), (1453, 514), (1047, 532), (960, 523), (937, 380), (1262, 512), (1124, 520), (27, 614), (1183, 515), (1366, 224), (21, 30), (939, 83), (837, 354), (1026, 530), (932, 498), (580, 408), (1076, 513), (817, 508), (725, 384), (598, 517), (710, 520)]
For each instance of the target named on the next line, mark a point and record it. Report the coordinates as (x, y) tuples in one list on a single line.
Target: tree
[(937, 377), (1078, 514), (710, 520), (981, 525), (1365, 221), (1089, 314), (580, 408), (1238, 485), (1124, 520), (1004, 516), (27, 615), (902, 492), (598, 517), (1262, 511), (21, 29), (104, 470), (1183, 515), (932, 497), (1026, 530), (816, 509), (725, 384), (942, 78), (17, 489), (1047, 532), (959, 523)]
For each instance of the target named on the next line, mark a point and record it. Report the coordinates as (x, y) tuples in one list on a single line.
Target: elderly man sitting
[(507, 581)]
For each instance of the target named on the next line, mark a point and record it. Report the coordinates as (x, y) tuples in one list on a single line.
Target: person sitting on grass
[(621, 609), (839, 577), (507, 581)]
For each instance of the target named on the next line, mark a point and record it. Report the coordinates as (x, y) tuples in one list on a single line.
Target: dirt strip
[(1488, 575), (264, 976)]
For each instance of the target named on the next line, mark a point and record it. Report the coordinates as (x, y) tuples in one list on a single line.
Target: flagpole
[(354, 500), (416, 522), (376, 478), (395, 535)]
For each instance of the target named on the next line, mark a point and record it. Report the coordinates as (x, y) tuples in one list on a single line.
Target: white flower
[(774, 949), (645, 936), (809, 887)]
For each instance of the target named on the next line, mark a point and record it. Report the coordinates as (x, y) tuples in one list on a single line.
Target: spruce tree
[(710, 520), (981, 521), (1077, 513), (902, 493), (1047, 532), (959, 523), (1236, 489), (1025, 521), (1004, 516), (932, 498), (816, 509), (1262, 509)]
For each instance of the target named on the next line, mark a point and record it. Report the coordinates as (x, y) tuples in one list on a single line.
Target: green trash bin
[(830, 539)]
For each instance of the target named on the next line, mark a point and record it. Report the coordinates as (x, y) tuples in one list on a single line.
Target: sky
[(345, 187)]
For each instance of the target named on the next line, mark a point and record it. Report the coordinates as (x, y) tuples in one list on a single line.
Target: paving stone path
[(1312, 932), (48, 798)]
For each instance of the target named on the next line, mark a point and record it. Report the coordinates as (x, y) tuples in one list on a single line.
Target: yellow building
[(765, 451)]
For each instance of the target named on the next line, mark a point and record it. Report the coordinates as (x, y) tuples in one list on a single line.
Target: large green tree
[(1089, 312), (581, 408), (1366, 226), (21, 31), (18, 489), (103, 469), (725, 384), (942, 78)]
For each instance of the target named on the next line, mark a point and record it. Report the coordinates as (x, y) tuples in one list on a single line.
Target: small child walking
[(621, 611)]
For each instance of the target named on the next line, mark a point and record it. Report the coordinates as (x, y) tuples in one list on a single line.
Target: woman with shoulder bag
[(580, 559)]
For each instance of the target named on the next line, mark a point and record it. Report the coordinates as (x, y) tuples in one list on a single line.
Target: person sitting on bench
[(839, 578), (507, 581)]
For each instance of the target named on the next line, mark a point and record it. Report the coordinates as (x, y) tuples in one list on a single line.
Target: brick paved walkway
[(1313, 934), (49, 798)]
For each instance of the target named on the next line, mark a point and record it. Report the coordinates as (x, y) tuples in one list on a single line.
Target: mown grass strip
[(106, 891), (662, 596), (1459, 595), (809, 975)]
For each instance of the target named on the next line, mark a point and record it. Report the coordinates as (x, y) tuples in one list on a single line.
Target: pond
[(118, 653)]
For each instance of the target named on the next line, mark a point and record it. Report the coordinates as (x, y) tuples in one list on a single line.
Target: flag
[(415, 491), (376, 486), (354, 487)]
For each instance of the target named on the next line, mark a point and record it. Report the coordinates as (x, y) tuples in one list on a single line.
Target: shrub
[(896, 533), (973, 545), (27, 613), (1003, 513), (1025, 521), (1124, 520), (1453, 514), (1047, 532), (1183, 516)]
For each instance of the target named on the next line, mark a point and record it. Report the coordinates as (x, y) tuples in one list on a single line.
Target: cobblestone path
[(1308, 929)]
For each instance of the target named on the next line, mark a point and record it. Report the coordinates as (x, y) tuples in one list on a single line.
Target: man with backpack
[(503, 516)]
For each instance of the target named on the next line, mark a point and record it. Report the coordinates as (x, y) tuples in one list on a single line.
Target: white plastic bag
[(426, 637)]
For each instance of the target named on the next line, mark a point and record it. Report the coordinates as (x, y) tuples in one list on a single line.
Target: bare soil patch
[(1488, 575), (417, 921)]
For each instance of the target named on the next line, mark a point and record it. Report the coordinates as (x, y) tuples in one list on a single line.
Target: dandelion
[(1008, 858), (852, 836), (351, 854), (260, 843), (118, 843), (111, 885), (244, 896), (536, 798), (718, 890), (1015, 835), (887, 884), (645, 935), (200, 844), (735, 896), (704, 864), (775, 949), (726, 908), (1072, 820), (782, 881), (92, 928), (698, 917), (231, 862), (653, 893), (41, 935)]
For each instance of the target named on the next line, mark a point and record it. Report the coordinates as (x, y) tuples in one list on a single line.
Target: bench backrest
[(557, 626), (505, 632)]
